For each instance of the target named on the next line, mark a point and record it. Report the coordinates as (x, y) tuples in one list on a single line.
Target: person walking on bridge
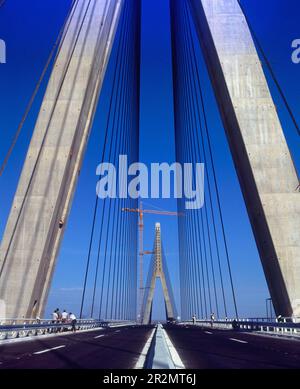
[(64, 319), (54, 317), (212, 319), (64, 316), (73, 321), (59, 315)]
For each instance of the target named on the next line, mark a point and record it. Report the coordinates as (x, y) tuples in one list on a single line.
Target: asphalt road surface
[(217, 349), (100, 349)]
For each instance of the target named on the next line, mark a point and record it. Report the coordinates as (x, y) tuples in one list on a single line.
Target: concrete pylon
[(263, 162), (42, 202), (157, 271)]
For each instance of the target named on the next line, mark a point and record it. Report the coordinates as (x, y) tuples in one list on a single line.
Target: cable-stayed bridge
[(97, 34)]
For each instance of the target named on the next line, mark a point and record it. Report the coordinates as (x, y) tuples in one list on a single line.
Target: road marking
[(173, 352), (118, 331), (99, 336), (207, 332), (49, 349), (142, 359), (238, 340)]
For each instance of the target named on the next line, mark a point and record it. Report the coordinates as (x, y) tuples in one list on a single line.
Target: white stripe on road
[(207, 332), (142, 359), (99, 336), (173, 352), (118, 331), (49, 349), (238, 340)]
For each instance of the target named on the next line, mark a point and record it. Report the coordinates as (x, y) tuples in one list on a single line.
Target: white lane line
[(207, 332), (173, 352), (48, 349), (99, 336), (238, 340), (142, 359)]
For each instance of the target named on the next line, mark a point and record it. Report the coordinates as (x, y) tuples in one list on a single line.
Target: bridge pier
[(262, 159), (44, 195), (157, 270)]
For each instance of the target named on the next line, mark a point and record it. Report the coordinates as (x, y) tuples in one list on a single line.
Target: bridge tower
[(265, 168), (46, 187), (158, 270)]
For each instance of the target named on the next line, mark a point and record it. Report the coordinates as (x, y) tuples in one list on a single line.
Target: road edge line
[(173, 352), (143, 356)]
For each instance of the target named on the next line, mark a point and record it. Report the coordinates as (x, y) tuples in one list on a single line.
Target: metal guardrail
[(273, 320), (274, 327), (22, 328)]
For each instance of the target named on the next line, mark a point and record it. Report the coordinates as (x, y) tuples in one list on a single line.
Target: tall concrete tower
[(158, 270), (263, 162), (42, 202)]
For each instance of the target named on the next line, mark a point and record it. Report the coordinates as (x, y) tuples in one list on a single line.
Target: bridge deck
[(226, 349), (99, 349)]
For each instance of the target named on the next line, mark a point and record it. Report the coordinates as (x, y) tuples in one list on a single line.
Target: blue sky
[(30, 29)]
